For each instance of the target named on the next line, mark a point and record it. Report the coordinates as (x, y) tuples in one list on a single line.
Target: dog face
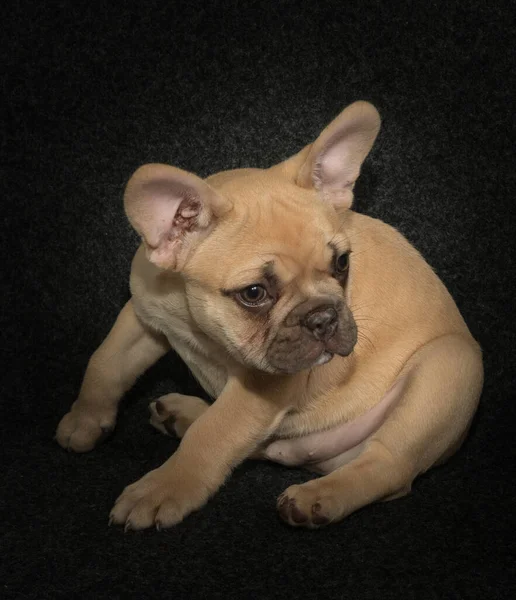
[(263, 254), (269, 283)]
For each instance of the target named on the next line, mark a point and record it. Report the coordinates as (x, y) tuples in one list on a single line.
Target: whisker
[(355, 253), (354, 308), (362, 337), (378, 322)]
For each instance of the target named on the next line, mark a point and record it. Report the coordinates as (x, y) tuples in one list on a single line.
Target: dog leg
[(174, 413), (428, 424), (128, 350), (223, 436)]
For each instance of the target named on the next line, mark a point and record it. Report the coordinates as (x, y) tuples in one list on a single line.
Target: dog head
[(263, 253)]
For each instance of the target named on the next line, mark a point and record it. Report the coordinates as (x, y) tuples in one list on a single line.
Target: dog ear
[(335, 158), (172, 210)]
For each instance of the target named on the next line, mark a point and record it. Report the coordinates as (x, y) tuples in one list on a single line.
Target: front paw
[(160, 499), (81, 429)]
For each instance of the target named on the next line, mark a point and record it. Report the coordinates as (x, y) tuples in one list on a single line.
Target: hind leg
[(428, 424)]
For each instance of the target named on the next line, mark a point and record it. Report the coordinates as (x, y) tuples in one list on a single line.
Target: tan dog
[(324, 336)]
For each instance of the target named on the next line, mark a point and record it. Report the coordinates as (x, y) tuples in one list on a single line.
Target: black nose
[(322, 322)]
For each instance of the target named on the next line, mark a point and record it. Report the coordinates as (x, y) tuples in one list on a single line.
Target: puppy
[(324, 336)]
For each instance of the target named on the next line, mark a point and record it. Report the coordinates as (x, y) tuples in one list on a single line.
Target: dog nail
[(110, 522), (295, 514), (106, 432), (320, 520), (283, 509), (158, 526), (127, 527), (282, 501), (168, 424)]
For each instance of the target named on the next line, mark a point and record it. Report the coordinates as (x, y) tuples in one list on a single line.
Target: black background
[(91, 91)]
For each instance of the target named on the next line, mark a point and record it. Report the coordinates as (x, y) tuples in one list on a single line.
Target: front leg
[(128, 351), (227, 432)]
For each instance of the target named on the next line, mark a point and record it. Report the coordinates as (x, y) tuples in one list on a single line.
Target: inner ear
[(172, 210), (334, 160)]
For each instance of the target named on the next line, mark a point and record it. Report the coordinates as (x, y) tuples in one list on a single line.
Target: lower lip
[(323, 359)]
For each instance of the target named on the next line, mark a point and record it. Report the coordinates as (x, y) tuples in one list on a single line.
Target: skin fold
[(324, 338)]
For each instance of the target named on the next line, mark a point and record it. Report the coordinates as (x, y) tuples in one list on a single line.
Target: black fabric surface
[(93, 90)]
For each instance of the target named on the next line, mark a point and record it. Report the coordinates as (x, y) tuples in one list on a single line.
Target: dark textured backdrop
[(91, 91)]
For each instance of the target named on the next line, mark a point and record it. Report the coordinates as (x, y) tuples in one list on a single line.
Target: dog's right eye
[(253, 295), (342, 263)]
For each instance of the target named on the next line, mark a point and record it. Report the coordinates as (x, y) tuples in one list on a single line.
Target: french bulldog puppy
[(325, 338)]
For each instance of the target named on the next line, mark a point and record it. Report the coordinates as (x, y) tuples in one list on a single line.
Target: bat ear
[(172, 210), (335, 158)]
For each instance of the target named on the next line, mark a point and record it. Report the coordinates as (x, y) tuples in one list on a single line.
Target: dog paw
[(158, 499), (308, 505), (174, 413), (81, 430)]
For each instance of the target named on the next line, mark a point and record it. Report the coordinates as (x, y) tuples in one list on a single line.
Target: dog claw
[(317, 518), (168, 424), (128, 527), (158, 526), (282, 501), (107, 431), (110, 522), (320, 520), (295, 514)]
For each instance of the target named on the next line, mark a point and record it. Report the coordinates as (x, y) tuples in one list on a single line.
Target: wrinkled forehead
[(280, 235)]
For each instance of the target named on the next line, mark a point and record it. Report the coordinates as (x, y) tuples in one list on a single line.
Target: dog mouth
[(311, 338), (291, 353), (309, 360)]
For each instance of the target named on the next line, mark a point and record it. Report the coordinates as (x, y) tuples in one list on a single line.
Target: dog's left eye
[(342, 263), (253, 295)]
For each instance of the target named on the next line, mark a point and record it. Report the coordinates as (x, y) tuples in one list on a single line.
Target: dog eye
[(342, 263), (252, 295)]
